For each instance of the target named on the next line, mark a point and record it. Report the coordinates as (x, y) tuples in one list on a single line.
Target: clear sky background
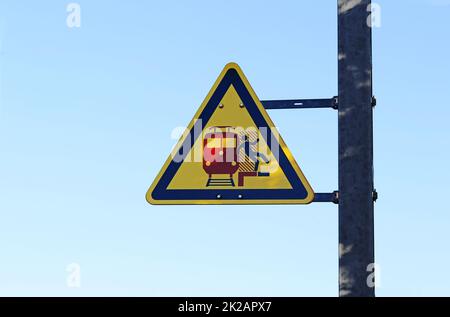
[(86, 116)]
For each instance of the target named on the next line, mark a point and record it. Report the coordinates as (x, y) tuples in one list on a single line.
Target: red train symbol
[(221, 147), (220, 155)]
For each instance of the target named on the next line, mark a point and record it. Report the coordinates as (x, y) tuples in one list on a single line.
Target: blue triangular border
[(298, 191)]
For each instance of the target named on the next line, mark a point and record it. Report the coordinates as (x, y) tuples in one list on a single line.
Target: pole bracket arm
[(332, 103), (334, 197), (327, 197)]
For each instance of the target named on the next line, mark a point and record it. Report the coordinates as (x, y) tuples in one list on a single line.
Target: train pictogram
[(225, 152)]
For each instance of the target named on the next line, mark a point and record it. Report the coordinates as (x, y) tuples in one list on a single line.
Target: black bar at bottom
[(208, 306)]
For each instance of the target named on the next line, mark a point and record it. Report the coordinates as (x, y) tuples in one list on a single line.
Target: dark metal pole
[(356, 226)]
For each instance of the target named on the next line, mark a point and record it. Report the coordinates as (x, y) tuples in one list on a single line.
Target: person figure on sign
[(251, 150)]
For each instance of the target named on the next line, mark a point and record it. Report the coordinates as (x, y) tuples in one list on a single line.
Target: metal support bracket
[(301, 103), (327, 197), (374, 101), (375, 195), (334, 197)]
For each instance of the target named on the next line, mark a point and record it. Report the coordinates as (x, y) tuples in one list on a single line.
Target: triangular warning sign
[(231, 153)]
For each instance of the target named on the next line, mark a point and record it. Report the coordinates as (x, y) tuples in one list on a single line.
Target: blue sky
[(86, 116)]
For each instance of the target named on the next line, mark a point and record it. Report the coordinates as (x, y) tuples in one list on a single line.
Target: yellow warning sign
[(231, 153)]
